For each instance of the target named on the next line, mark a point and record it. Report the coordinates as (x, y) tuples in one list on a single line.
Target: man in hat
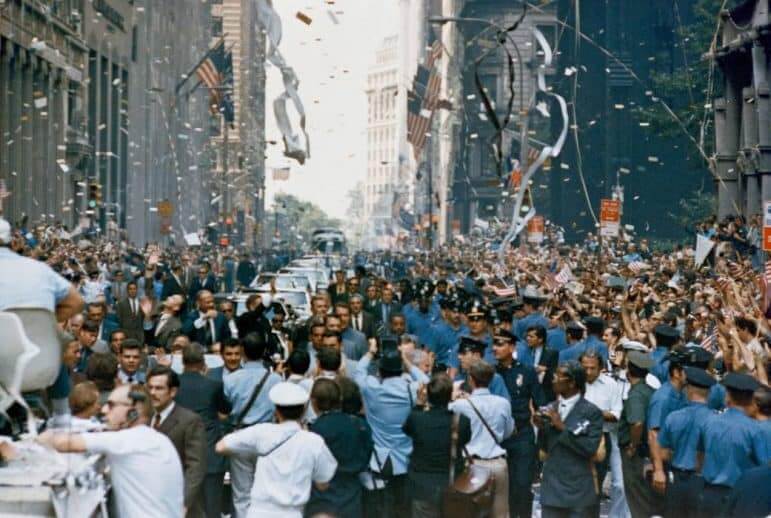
[(697, 356), (469, 351), (678, 439), (668, 398), (291, 460), (666, 338), (732, 443), (388, 398), (420, 319), (594, 328), (533, 316), (632, 436), (447, 332), (477, 321), (525, 392)]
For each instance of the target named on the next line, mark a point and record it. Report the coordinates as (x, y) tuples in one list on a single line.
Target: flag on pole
[(766, 286), (423, 99), (709, 342)]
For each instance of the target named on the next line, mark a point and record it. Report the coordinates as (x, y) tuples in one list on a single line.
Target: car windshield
[(292, 281), (295, 299)]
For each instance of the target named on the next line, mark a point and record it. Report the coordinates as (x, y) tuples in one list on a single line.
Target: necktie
[(131, 378), (157, 421)]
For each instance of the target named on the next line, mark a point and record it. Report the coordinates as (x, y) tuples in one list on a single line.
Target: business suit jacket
[(205, 397), (368, 326), (129, 321), (337, 297), (221, 329), (210, 283), (173, 286), (171, 328), (550, 360), (568, 480), (393, 308), (187, 432)]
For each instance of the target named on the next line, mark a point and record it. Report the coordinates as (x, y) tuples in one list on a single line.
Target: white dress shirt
[(164, 414), (497, 413), (566, 405), (283, 477), (605, 393)]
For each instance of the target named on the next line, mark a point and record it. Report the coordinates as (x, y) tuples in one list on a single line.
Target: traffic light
[(94, 195)]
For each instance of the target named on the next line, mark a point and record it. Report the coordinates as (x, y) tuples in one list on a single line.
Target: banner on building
[(535, 230), (610, 217)]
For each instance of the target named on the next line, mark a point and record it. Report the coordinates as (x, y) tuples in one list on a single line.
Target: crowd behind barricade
[(601, 377)]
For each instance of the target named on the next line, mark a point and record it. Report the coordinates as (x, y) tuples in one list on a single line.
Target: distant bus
[(328, 241)]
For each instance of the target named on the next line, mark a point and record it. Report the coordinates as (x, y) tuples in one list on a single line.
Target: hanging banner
[(610, 217), (767, 226), (703, 247), (535, 230)]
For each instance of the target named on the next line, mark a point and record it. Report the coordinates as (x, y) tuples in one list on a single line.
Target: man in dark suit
[(130, 315), (570, 435), (186, 430), (204, 281), (232, 353), (371, 301), (205, 324), (360, 319), (537, 355), (386, 307), (205, 397), (174, 284), (165, 326), (338, 291)]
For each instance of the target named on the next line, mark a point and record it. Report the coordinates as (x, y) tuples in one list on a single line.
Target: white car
[(318, 277)]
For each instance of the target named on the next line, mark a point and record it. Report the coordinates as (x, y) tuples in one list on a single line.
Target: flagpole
[(192, 71)]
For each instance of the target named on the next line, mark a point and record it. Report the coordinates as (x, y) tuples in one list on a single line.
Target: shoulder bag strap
[(409, 393), (454, 433), (279, 445), (484, 422), (252, 398)]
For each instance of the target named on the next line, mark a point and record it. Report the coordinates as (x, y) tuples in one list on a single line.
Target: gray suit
[(130, 321), (568, 480)]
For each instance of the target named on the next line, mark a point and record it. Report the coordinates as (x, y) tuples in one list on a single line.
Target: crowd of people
[(604, 376)]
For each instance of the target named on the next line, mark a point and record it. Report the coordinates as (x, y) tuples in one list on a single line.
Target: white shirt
[(497, 413), (164, 414), (605, 393), (145, 469), (283, 477), (566, 405)]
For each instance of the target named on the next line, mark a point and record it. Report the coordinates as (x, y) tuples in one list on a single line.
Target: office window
[(216, 26)]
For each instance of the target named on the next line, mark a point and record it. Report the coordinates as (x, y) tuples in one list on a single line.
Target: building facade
[(239, 151), (383, 131), (45, 152), (742, 162)]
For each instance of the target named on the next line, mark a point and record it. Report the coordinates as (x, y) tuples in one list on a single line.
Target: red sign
[(767, 227), (535, 230), (610, 217)]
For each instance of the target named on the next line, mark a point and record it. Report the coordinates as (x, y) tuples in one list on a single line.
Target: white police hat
[(288, 394), (631, 345)]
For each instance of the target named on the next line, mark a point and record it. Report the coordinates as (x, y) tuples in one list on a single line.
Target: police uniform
[(732, 443), (535, 318), (680, 434), (521, 382), (446, 337), (419, 323), (290, 459), (639, 493), (595, 326)]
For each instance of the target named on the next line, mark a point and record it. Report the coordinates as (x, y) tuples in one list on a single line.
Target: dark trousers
[(642, 501), (521, 456), (602, 470), (213, 489), (549, 511), (714, 500), (390, 502), (683, 490)]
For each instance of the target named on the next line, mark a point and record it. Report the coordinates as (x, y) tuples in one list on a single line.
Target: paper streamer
[(518, 223), (296, 146)]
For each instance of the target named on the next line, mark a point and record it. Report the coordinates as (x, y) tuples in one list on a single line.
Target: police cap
[(504, 335), (391, 361), (698, 377), (666, 335), (740, 382), (288, 394), (640, 359), (469, 344)]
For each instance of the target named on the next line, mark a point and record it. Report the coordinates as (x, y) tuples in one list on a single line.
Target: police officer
[(666, 400), (594, 328), (476, 318), (666, 338), (525, 392), (632, 438), (420, 319), (701, 358), (532, 301), (469, 351), (678, 439), (732, 443), (447, 332)]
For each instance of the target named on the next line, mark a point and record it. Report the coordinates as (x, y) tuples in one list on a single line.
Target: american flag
[(564, 276), (505, 292), (709, 342), (216, 72), (423, 100), (637, 266), (766, 281)]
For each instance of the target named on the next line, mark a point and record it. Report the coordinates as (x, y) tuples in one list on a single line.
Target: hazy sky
[(334, 99)]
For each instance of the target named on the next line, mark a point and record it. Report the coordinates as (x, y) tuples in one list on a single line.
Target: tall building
[(239, 152), (44, 148), (383, 133)]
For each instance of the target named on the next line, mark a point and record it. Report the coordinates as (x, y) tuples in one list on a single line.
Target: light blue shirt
[(533, 319), (446, 339), (26, 283), (732, 443), (574, 352), (680, 433), (239, 386), (663, 402), (496, 412), (388, 403)]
